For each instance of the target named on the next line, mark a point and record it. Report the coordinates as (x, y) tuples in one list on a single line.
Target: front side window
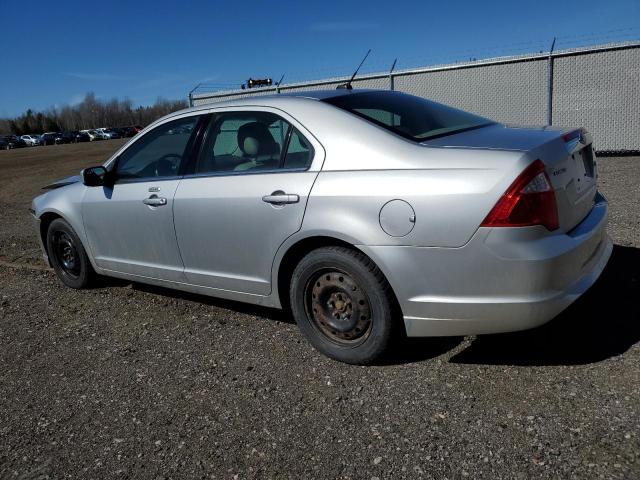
[(159, 153), (252, 142), (412, 117)]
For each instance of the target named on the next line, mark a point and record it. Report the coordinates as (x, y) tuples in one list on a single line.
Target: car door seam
[(175, 231), (304, 212)]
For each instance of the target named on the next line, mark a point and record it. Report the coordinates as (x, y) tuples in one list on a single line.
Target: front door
[(130, 225), (247, 194)]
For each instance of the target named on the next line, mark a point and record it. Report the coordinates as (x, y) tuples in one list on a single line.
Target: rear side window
[(299, 152), (251, 142), (412, 117)]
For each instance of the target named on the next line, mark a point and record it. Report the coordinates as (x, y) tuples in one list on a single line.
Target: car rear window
[(411, 117)]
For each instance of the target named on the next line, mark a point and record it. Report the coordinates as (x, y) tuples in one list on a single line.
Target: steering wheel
[(164, 167)]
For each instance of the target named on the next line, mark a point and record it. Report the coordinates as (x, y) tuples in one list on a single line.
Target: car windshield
[(411, 117)]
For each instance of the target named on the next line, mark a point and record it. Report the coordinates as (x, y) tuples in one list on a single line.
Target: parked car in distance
[(69, 137), (14, 141), (83, 136), (51, 138), (97, 135), (113, 133), (101, 133), (91, 134), (4, 144), (31, 140), (362, 212), (128, 132), (117, 131)]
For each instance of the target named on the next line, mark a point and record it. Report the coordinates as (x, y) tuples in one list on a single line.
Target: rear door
[(130, 225), (246, 194)]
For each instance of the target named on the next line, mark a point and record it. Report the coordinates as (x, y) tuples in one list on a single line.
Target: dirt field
[(129, 381)]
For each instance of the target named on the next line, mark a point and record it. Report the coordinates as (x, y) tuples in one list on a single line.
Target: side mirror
[(95, 176)]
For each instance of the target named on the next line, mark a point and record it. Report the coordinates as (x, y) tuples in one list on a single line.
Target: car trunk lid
[(573, 176), (567, 154)]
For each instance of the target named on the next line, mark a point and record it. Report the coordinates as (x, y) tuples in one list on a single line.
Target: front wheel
[(343, 304), (67, 255)]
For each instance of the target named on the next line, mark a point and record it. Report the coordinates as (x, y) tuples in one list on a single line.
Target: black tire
[(68, 256), (343, 304)]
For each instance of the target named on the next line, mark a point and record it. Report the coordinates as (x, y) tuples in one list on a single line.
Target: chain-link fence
[(595, 87)]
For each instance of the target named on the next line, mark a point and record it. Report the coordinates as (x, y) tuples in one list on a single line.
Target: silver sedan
[(362, 212)]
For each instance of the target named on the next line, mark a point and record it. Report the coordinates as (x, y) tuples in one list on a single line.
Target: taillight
[(528, 201), (573, 135)]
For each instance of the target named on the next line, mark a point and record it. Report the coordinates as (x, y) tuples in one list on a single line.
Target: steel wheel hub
[(66, 253), (338, 307)]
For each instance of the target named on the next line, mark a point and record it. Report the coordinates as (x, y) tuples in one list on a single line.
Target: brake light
[(573, 135), (529, 200)]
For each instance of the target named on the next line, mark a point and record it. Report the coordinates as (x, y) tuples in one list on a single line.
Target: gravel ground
[(130, 381)]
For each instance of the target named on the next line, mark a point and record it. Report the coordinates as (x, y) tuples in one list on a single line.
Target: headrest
[(255, 139)]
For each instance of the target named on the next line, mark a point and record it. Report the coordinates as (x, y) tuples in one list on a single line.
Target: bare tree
[(91, 112)]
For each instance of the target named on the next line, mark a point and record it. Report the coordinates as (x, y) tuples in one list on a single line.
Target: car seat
[(258, 147)]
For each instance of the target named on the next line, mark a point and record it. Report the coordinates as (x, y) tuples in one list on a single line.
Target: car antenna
[(279, 83), (347, 85)]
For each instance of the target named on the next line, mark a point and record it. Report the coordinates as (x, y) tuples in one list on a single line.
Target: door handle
[(155, 201), (280, 198)]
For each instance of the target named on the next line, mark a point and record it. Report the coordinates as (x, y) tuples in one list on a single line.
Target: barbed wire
[(380, 65)]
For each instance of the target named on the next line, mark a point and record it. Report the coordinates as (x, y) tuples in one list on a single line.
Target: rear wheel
[(67, 255), (342, 304)]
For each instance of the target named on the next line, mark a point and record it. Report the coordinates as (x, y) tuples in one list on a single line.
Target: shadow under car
[(603, 323)]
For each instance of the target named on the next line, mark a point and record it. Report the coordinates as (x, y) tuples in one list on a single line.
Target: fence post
[(191, 94), (391, 77), (550, 85)]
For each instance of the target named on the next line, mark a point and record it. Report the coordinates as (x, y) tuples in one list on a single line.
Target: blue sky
[(56, 52)]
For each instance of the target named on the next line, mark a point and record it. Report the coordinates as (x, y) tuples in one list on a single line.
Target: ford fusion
[(363, 212)]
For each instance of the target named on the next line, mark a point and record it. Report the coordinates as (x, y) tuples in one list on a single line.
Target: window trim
[(285, 147), (125, 181), (231, 173)]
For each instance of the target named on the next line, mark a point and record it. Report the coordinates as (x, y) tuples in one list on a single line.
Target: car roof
[(267, 100), (321, 94)]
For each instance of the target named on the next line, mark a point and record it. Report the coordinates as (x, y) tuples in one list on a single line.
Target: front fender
[(64, 202)]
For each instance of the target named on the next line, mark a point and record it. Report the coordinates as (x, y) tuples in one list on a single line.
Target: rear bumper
[(503, 279)]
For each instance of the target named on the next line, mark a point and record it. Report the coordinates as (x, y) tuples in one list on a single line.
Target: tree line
[(91, 112)]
